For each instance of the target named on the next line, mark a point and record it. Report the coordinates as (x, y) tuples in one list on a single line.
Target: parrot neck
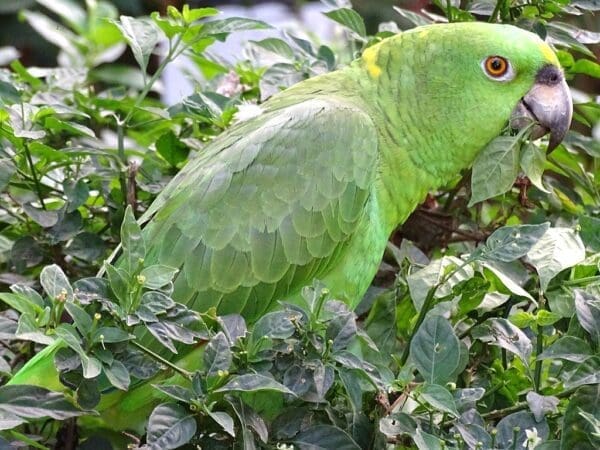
[(420, 149)]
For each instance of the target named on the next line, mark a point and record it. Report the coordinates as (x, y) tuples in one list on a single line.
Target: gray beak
[(548, 104)]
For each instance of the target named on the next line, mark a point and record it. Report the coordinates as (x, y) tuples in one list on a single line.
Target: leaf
[(134, 248), (118, 375), (540, 405), (570, 348), (533, 160), (590, 232), (509, 243), (276, 46), (349, 19), (142, 35), (224, 420), (587, 372), (92, 367), (426, 441), (435, 350), (55, 283), (34, 402), (170, 426), (43, 217), (587, 307), (217, 355), (440, 398), (495, 169), (421, 281), (172, 149), (506, 335), (577, 432), (52, 31), (81, 319), (523, 421), (252, 383), (586, 67), (156, 276), (231, 24), (324, 437), (341, 330), (557, 249)]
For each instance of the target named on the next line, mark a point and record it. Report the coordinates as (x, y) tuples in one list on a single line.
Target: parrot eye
[(497, 68)]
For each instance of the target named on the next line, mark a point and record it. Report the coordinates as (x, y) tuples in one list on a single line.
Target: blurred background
[(301, 17)]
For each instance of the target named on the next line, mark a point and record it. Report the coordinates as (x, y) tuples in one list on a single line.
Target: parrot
[(313, 184)]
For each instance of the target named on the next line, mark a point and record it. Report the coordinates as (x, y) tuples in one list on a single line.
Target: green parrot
[(315, 182)]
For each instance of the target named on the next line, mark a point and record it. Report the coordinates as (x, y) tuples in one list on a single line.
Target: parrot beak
[(548, 104)]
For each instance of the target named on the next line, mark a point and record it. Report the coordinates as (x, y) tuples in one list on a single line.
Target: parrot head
[(460, 84)]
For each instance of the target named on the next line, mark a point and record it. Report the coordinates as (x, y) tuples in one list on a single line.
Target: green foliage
[(489, 340)]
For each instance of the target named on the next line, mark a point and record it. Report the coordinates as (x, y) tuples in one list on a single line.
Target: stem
[(187, 375), (159, 70), (36, 181), (521, 405), (580, 281), (537, 375), (448, 10), (496, 11)]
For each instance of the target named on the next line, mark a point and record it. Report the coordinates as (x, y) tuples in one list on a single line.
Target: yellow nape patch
[(549, 54), (370, 59)]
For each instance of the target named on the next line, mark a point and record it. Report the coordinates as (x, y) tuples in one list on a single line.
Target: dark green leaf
[(170, 426), (217, 355), (324, 437), (435, 350), (33, 402), (350, 19), (253, 382)]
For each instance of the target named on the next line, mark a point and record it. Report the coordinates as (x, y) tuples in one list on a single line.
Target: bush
[(488, 340)]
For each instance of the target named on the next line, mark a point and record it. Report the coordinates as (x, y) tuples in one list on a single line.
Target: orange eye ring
[(496, 66)]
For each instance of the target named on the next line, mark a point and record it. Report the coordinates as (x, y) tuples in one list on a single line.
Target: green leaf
[(512, 242), (252, 383), (349, 19), (533, 160), (8, 94), (577, 432), (590, 232), (157, 276), (34, 402), (118, 283), (52, 31), (231, 24), (556, 250), (426, 441), (586, 372), (217, 355), (55, 283), (142, 35), (586, 67), (570, 348), (435, 350), (191, 15), (495, 169), (504, 334), (43, 217), (324, 437), (587, 307), (170, 426), (276, 46), (134, 248), (118, 375), (224, 420), (421, 281), (91, 366), (540, 405), (440, 398), (110, 335), (56, 125), (82, 319), (522, 421), (171, 149)]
